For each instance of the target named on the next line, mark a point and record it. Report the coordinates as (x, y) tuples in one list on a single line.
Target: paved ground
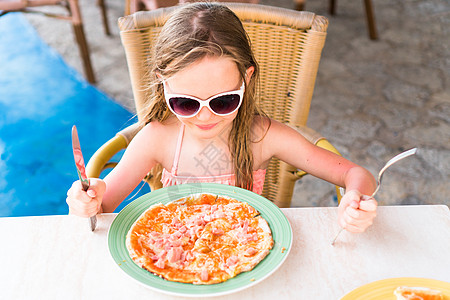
[(372, 99)]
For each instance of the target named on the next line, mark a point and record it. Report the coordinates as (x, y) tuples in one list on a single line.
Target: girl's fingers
[(81, 203), (351, 196), (354, 204), (354, 229), (359, 220), (368, 205), (84, 210), (81, 208), (353, 213), (76, 192), (91, 193), (357, 211)]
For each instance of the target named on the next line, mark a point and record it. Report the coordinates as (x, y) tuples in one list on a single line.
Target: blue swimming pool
[(40, 99)]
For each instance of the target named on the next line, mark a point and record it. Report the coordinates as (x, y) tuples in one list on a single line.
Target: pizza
[(417, 293), (199, 239)]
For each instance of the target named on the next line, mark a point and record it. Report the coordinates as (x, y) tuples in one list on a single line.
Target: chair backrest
[(132, 6), (287, 45)]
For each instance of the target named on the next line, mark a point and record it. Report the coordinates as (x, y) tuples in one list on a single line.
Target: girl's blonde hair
[(204, 29)]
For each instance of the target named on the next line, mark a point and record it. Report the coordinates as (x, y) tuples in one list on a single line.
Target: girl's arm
[(291, 147), (356, 209), (140, 157)]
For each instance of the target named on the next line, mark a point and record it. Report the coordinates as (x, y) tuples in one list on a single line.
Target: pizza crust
[(417, 293), (199, 239)]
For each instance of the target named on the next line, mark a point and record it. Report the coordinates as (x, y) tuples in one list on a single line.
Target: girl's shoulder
[(162, 127), (270, 133), (263, 127), (260, 127), (158, 131), (155, 141)]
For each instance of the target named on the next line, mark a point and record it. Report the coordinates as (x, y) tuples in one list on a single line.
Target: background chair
[(73, 15), (287, 45), (132, 6), (370, 16)]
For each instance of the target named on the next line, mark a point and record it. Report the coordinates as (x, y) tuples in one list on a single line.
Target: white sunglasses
[(187, 106)]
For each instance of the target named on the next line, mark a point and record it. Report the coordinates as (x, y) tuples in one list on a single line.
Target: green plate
[(281, 233)]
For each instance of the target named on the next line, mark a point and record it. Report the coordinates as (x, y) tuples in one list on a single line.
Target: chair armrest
[(320, 141), (100, 159)]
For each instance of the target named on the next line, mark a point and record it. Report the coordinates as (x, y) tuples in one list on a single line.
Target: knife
[(81, 170)]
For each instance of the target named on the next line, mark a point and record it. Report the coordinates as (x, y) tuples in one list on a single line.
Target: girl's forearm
[(114, 196), (118, 187)]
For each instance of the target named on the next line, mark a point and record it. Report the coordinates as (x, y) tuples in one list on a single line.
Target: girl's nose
[(204, 114)]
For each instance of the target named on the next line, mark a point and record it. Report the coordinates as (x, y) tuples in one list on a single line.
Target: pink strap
[(178, 150)]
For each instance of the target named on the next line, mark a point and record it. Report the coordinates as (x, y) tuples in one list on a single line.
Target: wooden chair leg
[(373, 34), (101, 4), (131, 6), (78, 30), (84, 52), (370, 17), (332, 8), (127, 8), (299, 5)]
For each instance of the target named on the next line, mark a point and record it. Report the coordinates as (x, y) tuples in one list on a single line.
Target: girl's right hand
[(89, 203), (356, 211)]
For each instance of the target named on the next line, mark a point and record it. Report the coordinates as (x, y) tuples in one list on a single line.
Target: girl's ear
[(249, 73)]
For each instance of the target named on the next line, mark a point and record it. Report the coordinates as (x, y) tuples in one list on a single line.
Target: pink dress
[(172, 178)]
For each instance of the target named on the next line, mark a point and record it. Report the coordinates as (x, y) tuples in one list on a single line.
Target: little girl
[(203, 97)]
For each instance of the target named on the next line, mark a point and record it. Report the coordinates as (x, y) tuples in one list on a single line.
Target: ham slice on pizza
[(199, 239)]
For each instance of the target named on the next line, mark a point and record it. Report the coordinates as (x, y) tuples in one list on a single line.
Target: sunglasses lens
[(184, 106), (225, 104)]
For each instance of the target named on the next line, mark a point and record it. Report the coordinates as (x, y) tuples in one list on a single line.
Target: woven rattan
[(287, 45), (132, 6)]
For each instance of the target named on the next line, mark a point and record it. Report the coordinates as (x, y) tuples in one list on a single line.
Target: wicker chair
[(73, 15), (132, 6), (287, 45)]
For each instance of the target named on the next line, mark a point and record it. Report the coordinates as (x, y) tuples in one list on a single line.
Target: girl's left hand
[(356, 211)]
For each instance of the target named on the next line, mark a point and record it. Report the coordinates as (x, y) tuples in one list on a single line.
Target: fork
[(392, 161)]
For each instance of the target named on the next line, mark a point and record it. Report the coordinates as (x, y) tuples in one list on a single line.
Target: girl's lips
[(206, 127)]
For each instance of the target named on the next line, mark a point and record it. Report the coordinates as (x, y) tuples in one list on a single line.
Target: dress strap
[(178, 150)]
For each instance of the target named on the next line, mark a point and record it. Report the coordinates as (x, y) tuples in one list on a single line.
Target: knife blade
[(81, 170)]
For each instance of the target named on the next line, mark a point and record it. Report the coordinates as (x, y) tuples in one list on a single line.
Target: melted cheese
[(200, 239), (417, 293)]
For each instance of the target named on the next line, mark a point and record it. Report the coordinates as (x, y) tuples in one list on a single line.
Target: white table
[(57, 257)]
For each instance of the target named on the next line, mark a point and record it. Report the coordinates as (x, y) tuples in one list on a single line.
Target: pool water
[(41, 98)]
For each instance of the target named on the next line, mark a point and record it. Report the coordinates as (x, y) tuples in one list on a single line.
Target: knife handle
[(93, 219), (84, 183)]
